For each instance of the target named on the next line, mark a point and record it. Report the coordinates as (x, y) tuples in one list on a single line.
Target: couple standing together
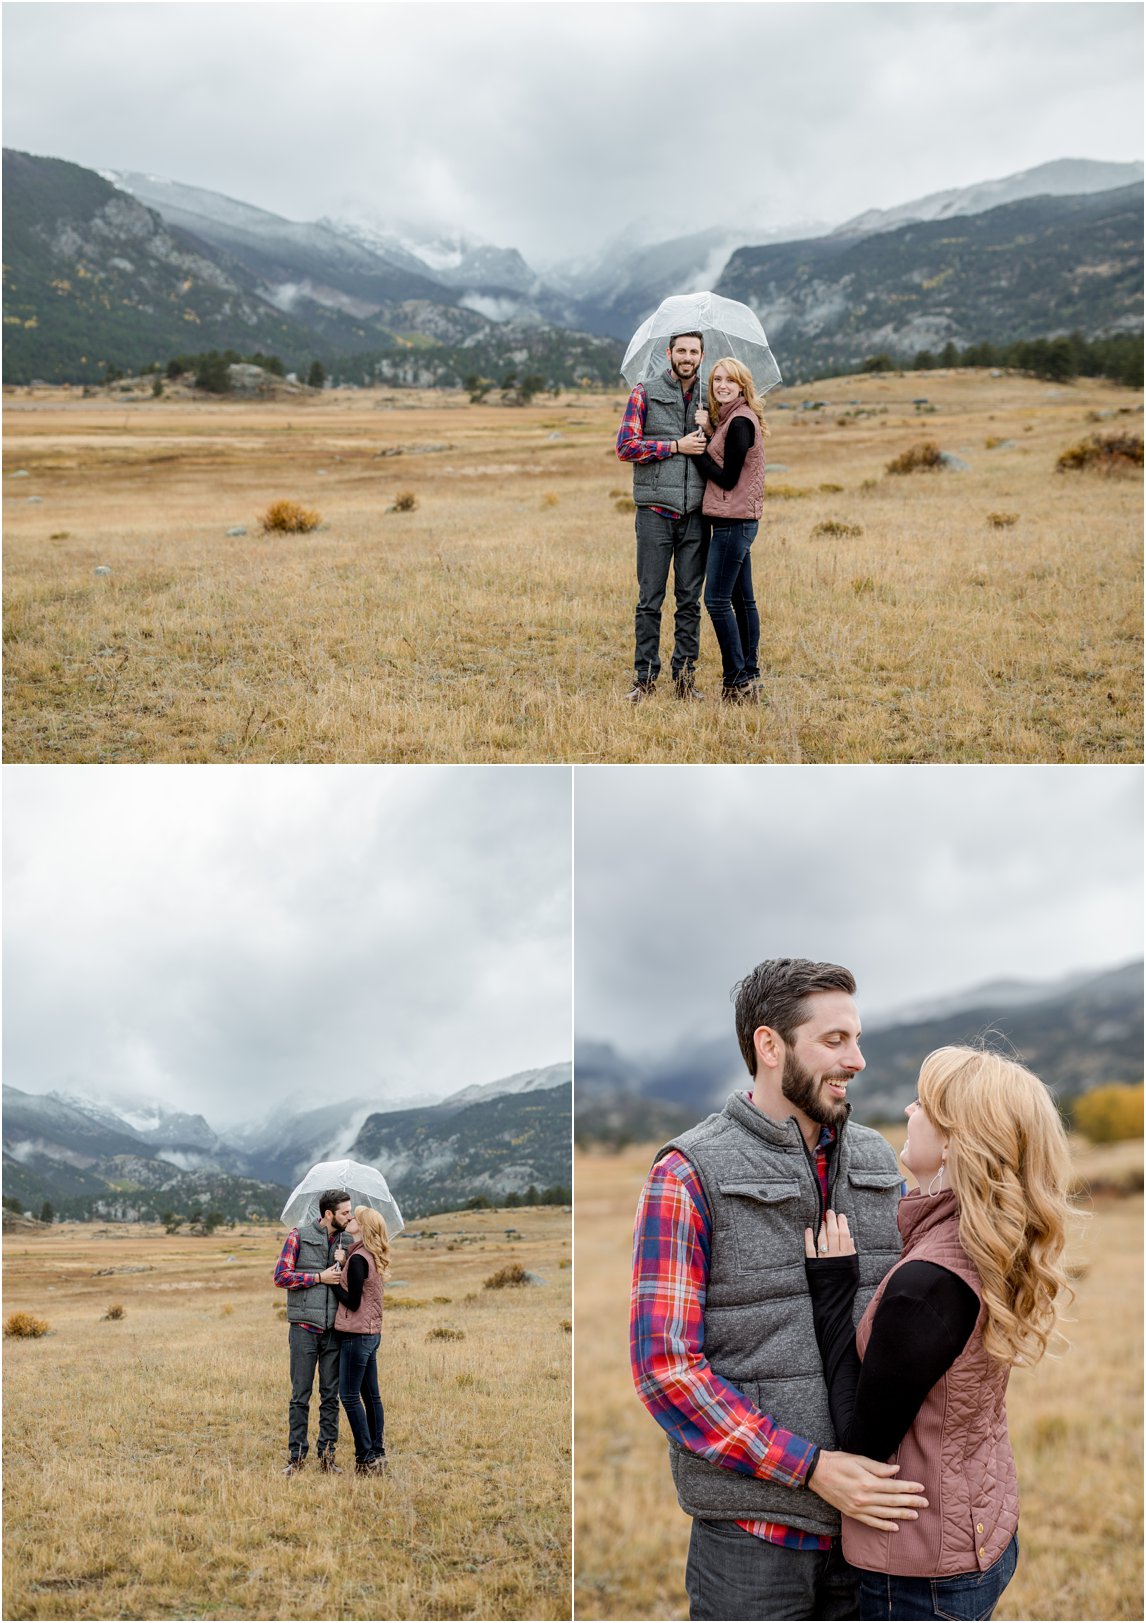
[(698, 469), (334, 1309), (828, 1356)]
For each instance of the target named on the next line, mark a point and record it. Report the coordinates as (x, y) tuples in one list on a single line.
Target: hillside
[(96, 276), (437, 1157), (93, 278), (1035, 268)]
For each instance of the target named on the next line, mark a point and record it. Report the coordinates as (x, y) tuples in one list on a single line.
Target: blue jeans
[(733, 1576), (729, 600), (967, 1595), (358, 1389)]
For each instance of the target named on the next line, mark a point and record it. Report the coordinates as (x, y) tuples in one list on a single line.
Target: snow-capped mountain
[(1066, 177), (551, 1076)]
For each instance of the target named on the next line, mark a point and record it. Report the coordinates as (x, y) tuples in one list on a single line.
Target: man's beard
[(801, 1089)]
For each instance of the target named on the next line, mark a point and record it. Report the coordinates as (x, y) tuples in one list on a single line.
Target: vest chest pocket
[(875, 1204), (766, 1222)]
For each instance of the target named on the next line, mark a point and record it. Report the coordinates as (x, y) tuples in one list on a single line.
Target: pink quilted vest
[(746, 498), (957, 1445), (366, 1320)]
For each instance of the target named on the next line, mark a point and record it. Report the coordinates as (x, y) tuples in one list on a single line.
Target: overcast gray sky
[(219, 938), (551, 127), (923, 880)]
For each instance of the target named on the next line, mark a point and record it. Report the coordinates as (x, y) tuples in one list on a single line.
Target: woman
[(733, 465), (359, 1323), (922, 1382)]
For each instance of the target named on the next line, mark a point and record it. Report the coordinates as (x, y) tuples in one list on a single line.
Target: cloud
[(222, 938), (923, 880), (533, 125)]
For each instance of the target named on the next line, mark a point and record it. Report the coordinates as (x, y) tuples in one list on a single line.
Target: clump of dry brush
[(1105, 452), (22, 1325), (917, 458), (290, 518)]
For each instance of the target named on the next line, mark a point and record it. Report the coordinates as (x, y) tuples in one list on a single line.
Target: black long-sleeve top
[(350, 1294), (740, 439), (924, 1320)]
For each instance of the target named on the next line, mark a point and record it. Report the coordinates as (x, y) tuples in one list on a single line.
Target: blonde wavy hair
[(741, 375), (375, 1237), (1009, 1169)]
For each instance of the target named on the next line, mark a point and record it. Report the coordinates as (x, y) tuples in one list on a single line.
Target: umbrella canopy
[(365, 1185), (729, 328)]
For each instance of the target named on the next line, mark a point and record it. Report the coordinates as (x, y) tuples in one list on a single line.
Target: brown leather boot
[(326, 1463)]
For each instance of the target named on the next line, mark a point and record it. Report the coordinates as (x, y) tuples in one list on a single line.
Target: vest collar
[(786, 1132), (921, 1214)]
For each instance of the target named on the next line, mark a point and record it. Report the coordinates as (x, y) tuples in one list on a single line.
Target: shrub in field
[(862, 585), (922, 457), (116, 1311), (442, 1332), (393, 1302), (567, 1325), (405, 502), (549, 499), (835, 526), (1002, 521), (828, 489), (512, 1274), (290, 518), (1104, 452), (625, 504), (786, 493), (1105, 1115), (21, 1325)]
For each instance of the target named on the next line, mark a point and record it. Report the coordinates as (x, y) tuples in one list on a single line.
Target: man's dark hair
[(330, 1200), (775, 995), (699, 336)]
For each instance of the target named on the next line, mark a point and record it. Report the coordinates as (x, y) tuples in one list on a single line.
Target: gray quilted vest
[(316, 1304), (762, 1190), (671, 481)]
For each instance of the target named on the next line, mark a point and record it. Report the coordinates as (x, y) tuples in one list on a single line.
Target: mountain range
[(1076, 1033), (123, 269), (90, 1157)]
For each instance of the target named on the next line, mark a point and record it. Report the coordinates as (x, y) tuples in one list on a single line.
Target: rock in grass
[(36, 499), (950, 460), (101, 569), (237, 529), (20, 473)]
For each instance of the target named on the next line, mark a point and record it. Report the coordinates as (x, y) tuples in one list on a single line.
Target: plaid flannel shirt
[(632, 446), (674, 1380), (291, 1277)]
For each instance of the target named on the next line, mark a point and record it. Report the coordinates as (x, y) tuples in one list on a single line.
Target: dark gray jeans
[(683, 543), (733, 1575), (309, 1351)]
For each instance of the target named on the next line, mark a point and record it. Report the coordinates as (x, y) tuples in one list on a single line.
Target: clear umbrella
[(365, 1185), (728, 327)]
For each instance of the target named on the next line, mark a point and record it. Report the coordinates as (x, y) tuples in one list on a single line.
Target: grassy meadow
[(1075, 1420), (492, 620), (142, 1455)]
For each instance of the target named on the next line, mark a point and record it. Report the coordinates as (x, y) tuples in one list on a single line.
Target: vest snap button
[(978, 1527), (982, 1554)]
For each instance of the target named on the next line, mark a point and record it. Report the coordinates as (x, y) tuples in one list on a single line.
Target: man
[(305, 1270), (722, 1342), (659, 436)]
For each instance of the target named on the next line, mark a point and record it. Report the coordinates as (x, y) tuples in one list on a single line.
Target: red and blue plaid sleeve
[(287, 1273), (674, 1380), (631, 443)]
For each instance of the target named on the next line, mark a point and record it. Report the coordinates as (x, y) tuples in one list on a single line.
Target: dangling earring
[(935, 1187)]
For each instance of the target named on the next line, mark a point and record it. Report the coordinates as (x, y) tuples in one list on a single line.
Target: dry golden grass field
[(493, 621), (1075, 1422), (142, 1456)]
